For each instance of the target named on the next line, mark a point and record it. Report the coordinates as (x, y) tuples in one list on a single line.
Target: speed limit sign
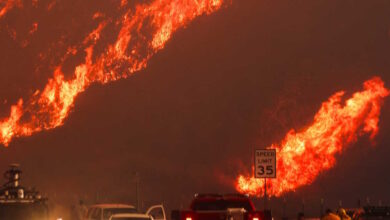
[(265, 163)]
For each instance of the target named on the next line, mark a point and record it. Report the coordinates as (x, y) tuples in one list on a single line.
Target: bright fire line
[(302, 156), (143, 32)]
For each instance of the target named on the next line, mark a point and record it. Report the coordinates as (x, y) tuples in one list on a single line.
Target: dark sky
[(236, 79)]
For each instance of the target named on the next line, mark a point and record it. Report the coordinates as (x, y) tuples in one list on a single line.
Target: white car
[(156, 212), (105, 211)]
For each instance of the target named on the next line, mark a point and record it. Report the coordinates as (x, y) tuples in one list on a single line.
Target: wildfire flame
[(7, 5), (143, 32), (302, 156)]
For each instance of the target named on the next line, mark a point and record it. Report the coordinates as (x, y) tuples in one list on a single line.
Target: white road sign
[(265, 163)]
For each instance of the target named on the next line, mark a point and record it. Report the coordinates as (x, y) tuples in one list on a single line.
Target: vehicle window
[(208, 205), (221, 205), (107, 213), (157, 213), (239, 204)]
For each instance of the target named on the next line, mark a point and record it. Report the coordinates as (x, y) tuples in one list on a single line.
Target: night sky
[(231, 81)]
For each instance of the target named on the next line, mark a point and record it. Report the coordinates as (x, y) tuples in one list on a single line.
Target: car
[(156, 212), (216, 206), (105, 211)]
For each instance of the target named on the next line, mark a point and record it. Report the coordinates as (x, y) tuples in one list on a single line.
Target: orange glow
[(48, 108), (34, 28), (302, 156), (6, 5)]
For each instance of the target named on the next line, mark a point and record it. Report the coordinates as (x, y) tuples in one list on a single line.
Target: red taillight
[(254, 216), (187, 215)]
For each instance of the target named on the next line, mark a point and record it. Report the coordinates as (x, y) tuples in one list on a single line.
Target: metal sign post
[(265, 167)]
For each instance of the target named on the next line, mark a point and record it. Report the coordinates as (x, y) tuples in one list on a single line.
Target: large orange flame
[(302, 156), (143, 32)]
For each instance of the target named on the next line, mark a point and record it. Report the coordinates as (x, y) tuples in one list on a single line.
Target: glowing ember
[(134, 46), (302, 156)]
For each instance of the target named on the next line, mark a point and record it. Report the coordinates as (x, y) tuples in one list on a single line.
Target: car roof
[(135, 215), (224, 198), (108, 206), (220, 196)]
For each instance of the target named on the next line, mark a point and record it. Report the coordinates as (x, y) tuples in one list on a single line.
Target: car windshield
[(207, 205), (107, 213)]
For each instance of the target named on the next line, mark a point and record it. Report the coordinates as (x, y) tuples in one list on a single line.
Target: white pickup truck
[(124, 212), (156, 212)]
